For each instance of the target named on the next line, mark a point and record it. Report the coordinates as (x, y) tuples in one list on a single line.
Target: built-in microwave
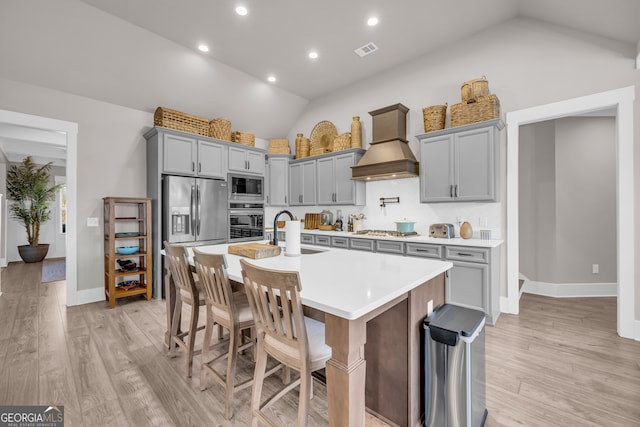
[(246, 188)]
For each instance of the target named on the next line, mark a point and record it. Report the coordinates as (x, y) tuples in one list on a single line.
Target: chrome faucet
[(275, 225)]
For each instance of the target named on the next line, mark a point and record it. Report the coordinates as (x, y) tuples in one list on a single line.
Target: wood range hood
[(389, 155)]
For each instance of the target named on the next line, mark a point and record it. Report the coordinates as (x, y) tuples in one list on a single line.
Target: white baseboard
[(3, 262), (504, 305), (570, 290), (637, 334), (87, 296)]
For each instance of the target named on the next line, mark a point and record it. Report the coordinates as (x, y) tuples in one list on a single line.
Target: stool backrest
[(274, 297), (178, 265), (212, 271)]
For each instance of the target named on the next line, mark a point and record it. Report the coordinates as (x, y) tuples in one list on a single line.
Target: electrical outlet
[(92, 222), (595, 268)]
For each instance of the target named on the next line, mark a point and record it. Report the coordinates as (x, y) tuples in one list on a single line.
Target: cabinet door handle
[(199, 167), (456, 190), (248, 164), (285, 200), (267, 199), (464, 254), (451, 191), (193, 166)]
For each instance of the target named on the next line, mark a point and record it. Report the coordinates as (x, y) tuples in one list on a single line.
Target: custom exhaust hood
[(389, 155)]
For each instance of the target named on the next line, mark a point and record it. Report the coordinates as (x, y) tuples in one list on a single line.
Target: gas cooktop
[(386, 233)]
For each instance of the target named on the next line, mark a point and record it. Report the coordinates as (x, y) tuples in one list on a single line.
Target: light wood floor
[(559, 363)]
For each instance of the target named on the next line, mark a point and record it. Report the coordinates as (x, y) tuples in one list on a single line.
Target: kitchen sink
[(308, 251)]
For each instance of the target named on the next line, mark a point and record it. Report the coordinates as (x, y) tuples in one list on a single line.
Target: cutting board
[(254, 250)]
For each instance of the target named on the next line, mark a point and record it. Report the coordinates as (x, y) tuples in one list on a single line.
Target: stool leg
[(175, 326), (208, 331), (258, 379), (193, 326), (232, 359), (305, 392)]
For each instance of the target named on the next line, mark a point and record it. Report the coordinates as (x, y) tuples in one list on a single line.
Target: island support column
[(346, 370)]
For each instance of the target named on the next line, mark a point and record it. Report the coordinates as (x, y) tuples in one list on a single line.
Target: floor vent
[(366, 49)]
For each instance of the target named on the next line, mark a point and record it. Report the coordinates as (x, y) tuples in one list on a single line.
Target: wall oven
[(246, 188), (246, 222)]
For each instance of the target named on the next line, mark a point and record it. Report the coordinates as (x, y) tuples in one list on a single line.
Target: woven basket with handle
[(244, 138), (473, 89), (342, 142), (173, 119), (434, 117), (484, 108)]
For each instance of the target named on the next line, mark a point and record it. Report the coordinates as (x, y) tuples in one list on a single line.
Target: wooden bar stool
[(283, 333), (229, 310), (188, 291)]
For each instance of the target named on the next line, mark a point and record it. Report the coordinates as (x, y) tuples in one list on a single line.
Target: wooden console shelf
[(127, 222)]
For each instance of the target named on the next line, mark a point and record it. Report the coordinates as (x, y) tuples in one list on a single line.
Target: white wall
[(567, 200), (526, 62)]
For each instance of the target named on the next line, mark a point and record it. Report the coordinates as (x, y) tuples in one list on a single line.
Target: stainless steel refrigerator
[(194, 210)]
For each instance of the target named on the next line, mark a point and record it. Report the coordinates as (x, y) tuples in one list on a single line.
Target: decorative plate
[(128, 234), (323, 135)]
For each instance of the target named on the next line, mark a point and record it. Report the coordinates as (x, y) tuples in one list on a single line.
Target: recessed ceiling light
[(203, 48), (372, 21), (241, 10), (313, 55), (271, 79)]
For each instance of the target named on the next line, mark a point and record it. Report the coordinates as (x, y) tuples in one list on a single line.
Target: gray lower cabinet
[(461, 164), (473, 281), (302, 183), (390, 247), (340, 242), (307, 239), (323, 240), (361, 244)]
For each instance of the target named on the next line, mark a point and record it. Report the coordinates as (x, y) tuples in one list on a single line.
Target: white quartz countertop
[(418, 239), (348, 284)]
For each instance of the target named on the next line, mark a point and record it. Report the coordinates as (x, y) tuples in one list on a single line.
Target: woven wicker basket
[(220, 128), (341, 142), (316, 151), (173, 119), (485, 108), (303, 147), (434, 117), (279, 146), (475, 88), (244, 138)]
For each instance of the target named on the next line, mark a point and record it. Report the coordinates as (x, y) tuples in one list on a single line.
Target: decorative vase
[(356, 132), (466, 232), (30, 253)]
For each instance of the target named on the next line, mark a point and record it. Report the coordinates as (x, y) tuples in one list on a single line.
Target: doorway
[(69, 132), (622, 101)]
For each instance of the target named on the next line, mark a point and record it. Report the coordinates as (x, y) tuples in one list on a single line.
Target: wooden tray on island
[(254, 250)]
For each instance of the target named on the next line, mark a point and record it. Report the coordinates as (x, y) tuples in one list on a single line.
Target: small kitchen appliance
[(442, 231)]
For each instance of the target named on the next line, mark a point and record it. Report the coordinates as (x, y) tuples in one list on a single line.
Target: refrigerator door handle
[(193, 211), (198, 201)]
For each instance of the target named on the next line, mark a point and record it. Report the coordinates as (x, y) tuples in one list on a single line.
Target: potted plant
[(29, 191)]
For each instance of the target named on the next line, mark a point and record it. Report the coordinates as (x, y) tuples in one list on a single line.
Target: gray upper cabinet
[(183, 155), (335, 186), (246, 160), (302, 183), (179, 154), (461, 164), (211, 157), (278, 180)]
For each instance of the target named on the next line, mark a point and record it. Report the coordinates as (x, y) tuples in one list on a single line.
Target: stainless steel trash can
[(454, 371)]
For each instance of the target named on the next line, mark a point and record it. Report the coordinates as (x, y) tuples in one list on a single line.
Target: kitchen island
[(366, 298)]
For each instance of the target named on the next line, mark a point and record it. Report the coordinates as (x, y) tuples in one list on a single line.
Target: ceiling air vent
[(366, 49)]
